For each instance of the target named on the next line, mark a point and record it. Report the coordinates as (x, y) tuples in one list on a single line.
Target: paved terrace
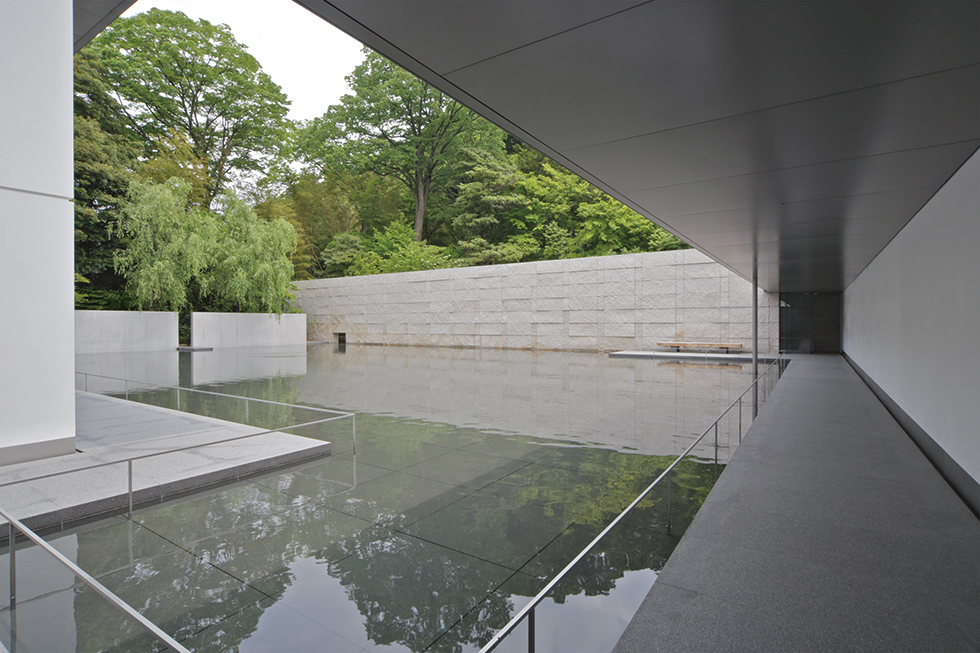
[(110, 429), (828, 531)]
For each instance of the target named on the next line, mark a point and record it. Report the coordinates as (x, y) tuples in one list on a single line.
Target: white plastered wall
[(37, 401), (247, 329), (103, 331), (912, 318)]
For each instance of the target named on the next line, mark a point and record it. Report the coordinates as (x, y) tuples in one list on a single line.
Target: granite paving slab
[(828, 531)]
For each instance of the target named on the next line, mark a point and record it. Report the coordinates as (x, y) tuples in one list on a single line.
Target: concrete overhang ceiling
[(801, 135)]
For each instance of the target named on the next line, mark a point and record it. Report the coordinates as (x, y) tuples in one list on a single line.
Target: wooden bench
[(677, 346)]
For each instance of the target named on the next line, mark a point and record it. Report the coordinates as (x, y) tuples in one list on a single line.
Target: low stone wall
[(605, 303), (247, 329), (102, 331)]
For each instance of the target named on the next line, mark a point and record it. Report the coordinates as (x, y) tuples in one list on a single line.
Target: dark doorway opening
[(809, 322)]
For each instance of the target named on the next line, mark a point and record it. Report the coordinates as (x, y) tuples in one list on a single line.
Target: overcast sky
[(307, 56)]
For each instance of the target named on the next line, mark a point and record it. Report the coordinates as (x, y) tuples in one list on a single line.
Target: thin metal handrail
[(15, 526), (206, 392), (129, 461), (540, 596), (170, 451)]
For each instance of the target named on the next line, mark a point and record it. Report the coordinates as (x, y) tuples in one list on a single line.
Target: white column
[(37, 403)]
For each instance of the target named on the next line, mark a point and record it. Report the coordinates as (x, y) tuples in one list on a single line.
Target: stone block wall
[(605, 303)]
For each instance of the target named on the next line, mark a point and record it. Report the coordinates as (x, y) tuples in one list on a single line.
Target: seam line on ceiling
[(802, 202), (773, 107), (550, 36), (807, 165)]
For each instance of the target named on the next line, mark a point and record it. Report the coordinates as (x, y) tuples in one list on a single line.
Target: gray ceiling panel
[(936, 109), (866, 174), (667, 64), (429, 29), (92, 16)]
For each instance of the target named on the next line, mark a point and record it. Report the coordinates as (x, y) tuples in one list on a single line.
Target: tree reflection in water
[(413, 593), (427, 565)]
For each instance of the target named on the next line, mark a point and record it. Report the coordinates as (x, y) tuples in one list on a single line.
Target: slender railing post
[(353, 432), (740, 419), (530, 631), (755, 339), (178, 399), (12, 531), (246, 411), (126, 388), (716, 442), (130, 465)]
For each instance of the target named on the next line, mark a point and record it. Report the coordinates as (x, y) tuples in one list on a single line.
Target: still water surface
[(477, 476)]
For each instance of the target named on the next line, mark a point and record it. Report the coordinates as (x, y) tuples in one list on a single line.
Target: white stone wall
[(103, 331), (605, 303), (247, 329), (912, 318)]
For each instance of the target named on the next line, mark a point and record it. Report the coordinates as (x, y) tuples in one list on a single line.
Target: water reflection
[(220, 570), (448, 518), (649, 406)]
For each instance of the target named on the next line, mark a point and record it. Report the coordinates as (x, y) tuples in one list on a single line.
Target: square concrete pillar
[(37, 403)]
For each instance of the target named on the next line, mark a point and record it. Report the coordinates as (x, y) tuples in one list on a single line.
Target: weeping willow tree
[(182, 257)]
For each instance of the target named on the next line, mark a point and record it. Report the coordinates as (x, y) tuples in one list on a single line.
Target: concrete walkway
[(828, 531), (110, 429)]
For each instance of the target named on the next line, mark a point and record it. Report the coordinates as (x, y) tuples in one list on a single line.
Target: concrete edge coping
[(691, 356), (64, 517)]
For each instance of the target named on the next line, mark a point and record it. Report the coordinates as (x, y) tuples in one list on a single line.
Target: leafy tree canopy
[(392, 250), (397, 177), (181, 257), (105, 154), (396, 125), (177, 76)]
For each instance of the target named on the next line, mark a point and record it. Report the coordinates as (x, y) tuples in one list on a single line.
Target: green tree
[(305, 258), (181, 257), (174, 157), (319, 208), (174, 75), (250, 271), (486, 195), (570, 217), (392, 250), (395, 125), (170, 245), (105, 153)]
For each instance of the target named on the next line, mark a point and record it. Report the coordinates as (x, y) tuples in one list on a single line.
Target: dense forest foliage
[(193, 191)]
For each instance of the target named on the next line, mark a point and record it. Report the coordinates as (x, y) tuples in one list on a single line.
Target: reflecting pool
[(475, 477)]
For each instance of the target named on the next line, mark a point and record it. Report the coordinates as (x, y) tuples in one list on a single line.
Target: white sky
[(307, 56)]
